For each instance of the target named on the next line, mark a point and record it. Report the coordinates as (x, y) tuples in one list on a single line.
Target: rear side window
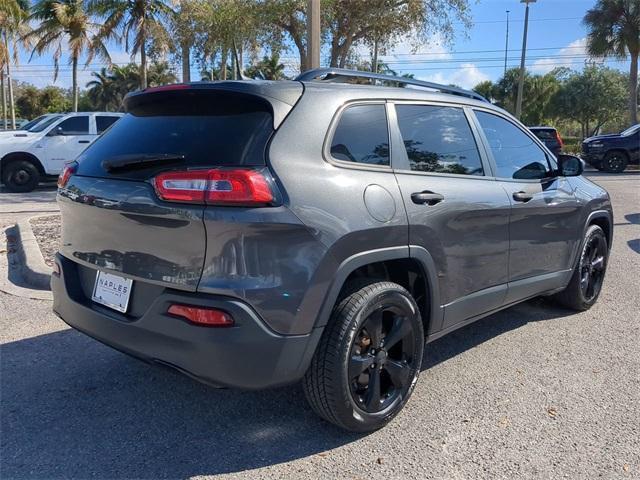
[(104, 122), (515, 153), (362, 135), (438, 139), (209, 129), (74, 126)]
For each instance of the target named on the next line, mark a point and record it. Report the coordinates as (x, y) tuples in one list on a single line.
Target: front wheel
[(368, 359), (20, 176), (586, 283), (615, 162)]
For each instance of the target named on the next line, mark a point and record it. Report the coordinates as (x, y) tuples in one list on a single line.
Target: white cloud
[(467, 76), (571, 56)]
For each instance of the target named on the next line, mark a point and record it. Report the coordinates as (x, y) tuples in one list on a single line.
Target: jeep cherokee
[(254, 234)]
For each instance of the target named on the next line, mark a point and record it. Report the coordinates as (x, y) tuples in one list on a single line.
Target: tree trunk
[(143, 66), (374, 61), (74, 82), (12, 105), (186, 62), (234, 67), (223, 66), (633, 89), (4, 100)]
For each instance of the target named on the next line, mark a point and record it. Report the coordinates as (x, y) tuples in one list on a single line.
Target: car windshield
[(630, 130), (38, 127), (33, 122)]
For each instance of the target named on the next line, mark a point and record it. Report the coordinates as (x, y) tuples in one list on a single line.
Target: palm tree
[(102, 92), (13, 26), (138, 19), (66, 22), (614, 30), (269, 68)]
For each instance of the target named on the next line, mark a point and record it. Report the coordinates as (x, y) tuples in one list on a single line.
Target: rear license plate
[(112, 291)]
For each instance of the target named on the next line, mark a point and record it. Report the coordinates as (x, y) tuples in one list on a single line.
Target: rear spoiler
[(280, 95)]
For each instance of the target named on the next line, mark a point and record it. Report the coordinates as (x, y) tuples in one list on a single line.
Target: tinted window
[(74, 126), (208, 129), (545, 134), (362, 135), (102, 123), (515, 153), (438, 139)]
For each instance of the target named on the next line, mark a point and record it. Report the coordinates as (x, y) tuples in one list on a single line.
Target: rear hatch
[(112, 216)]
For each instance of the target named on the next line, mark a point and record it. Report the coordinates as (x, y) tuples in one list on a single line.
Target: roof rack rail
[(337, 74)]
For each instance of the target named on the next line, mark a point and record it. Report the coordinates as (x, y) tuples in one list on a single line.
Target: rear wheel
[(586, 283), (615, 162), (369, 358), (20, 176)]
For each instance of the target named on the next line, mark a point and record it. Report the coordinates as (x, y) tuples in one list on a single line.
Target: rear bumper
[(246, 356)]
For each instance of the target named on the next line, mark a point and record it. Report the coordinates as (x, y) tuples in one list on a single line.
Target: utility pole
[(522, 59), (506, 46), (313, 34)]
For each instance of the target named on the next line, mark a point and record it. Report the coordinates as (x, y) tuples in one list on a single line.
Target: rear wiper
[(137, 160)]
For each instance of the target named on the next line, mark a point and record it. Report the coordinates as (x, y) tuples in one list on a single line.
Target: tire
[(578, 295), (20, 176), (353, 381), (615, 161)]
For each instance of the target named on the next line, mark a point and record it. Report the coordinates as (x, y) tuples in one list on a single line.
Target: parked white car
[(28, 156)]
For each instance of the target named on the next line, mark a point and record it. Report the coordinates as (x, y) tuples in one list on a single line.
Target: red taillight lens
[(209, 317), (215, 187), (559, 138), (68, 170)]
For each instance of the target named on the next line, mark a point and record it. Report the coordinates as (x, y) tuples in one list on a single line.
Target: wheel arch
[(15, 156), (410, 266), (604, 220)]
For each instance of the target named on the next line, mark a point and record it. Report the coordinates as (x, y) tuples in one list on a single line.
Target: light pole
[(522, 59), (313, 33), (506, 46)]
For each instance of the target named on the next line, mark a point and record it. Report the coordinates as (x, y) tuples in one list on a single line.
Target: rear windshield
[(208, 129)]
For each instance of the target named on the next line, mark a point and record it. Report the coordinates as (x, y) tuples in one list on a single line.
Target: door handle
[(84, 141), (522, 196), (427, 197)]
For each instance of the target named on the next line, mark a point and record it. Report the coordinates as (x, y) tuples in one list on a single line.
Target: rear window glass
[(209, 130), (362, 136)]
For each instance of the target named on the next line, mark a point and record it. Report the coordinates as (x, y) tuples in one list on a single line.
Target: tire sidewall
[(593, 231), (358, 418), (12, 168)]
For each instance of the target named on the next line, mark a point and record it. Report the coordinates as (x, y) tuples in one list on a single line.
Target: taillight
[(559, 139), (240, 187), (209, 317), (68, 170)]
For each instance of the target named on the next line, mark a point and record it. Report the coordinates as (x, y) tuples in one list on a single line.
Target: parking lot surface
[(535, 391)]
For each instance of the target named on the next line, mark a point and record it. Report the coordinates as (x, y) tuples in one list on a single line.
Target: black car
[(612, 153), (550, 137)]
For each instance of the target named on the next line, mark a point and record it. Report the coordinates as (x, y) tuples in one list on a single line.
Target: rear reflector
[(214, 187), (209, 317), (68, 170)]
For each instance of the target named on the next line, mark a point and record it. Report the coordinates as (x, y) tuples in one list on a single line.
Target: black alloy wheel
[(382, 359), (592, 267)]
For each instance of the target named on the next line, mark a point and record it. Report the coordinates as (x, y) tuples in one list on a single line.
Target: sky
[(556, 38)]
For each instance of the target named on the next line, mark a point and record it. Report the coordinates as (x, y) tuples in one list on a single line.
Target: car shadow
[(74, 408)]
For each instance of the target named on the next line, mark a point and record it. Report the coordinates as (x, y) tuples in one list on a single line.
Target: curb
[(34, 270)]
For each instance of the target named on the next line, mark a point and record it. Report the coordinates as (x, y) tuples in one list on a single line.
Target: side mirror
[(55, 131), (570, 165)]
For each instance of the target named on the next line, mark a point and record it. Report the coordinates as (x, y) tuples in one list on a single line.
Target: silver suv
[(254, 234)]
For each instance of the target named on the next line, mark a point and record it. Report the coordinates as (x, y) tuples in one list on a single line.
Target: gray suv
[(254, 234)]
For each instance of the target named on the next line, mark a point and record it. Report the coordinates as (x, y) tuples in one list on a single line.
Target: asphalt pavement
[(535, 391)]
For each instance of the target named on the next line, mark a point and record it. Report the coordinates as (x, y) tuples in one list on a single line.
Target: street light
[(524, 52)]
